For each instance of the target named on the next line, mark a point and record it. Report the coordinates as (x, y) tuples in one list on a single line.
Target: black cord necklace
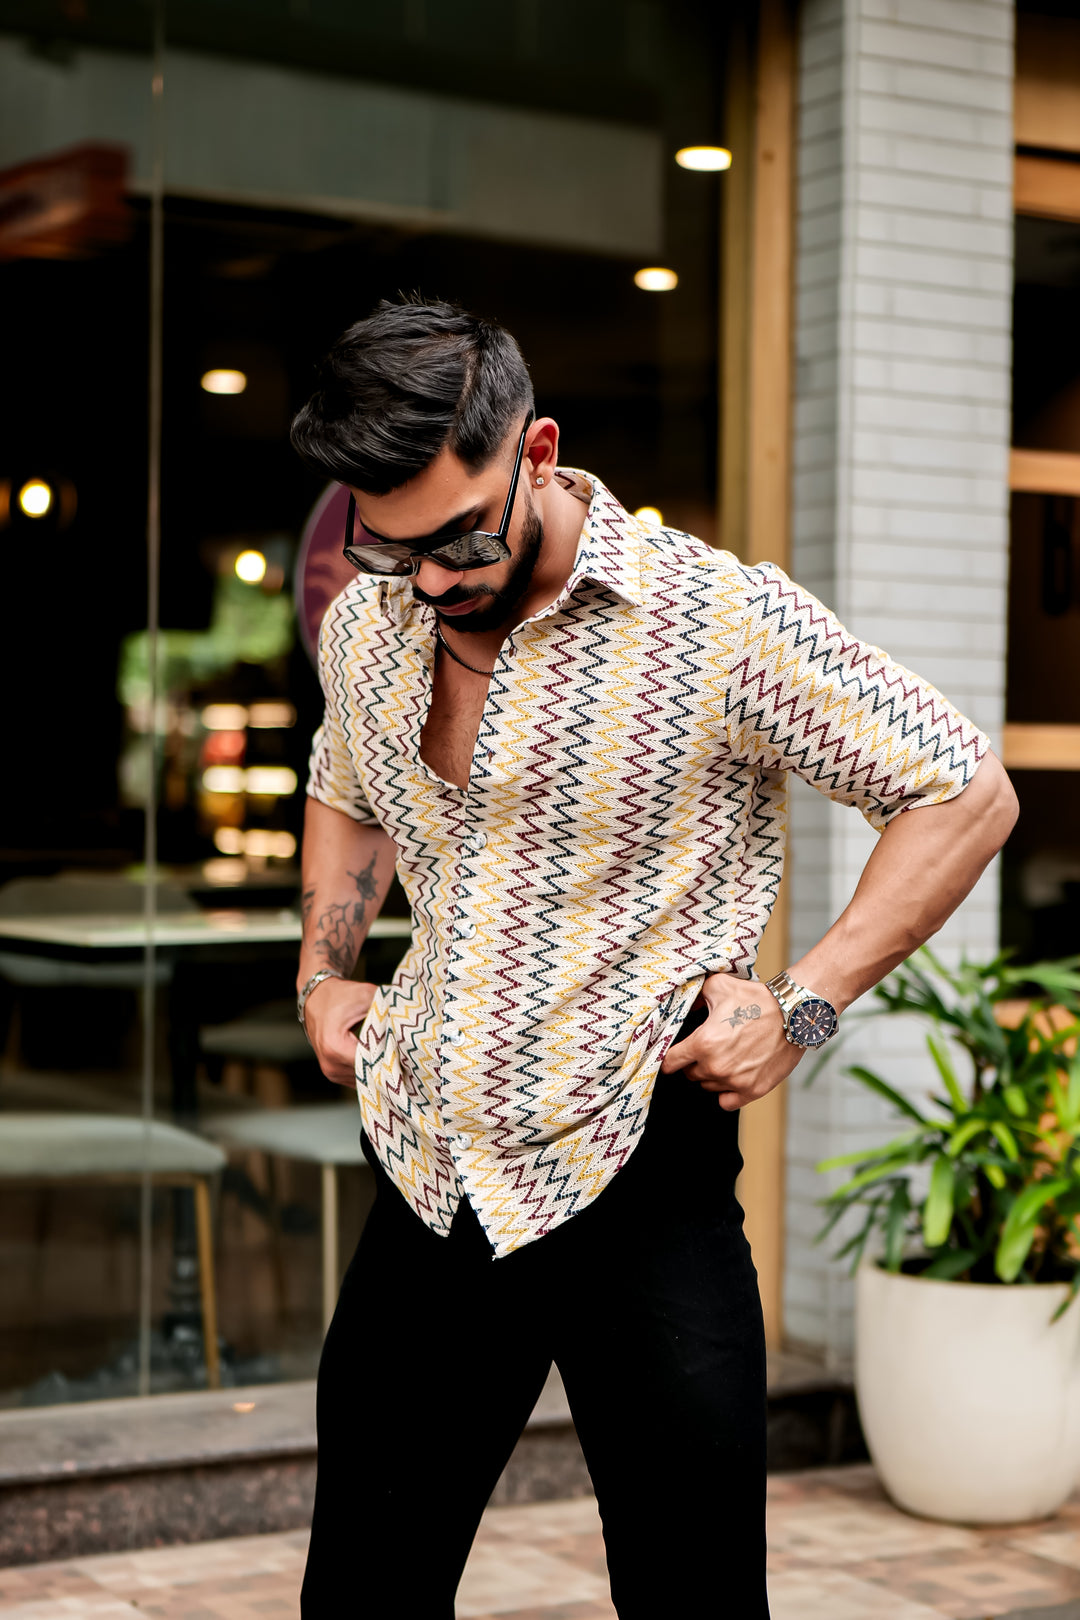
[(446, 647)]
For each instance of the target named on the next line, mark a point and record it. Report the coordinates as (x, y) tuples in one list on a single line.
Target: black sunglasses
[(476, 548)]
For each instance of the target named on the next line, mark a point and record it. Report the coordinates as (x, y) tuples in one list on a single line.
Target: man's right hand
[(334, 1009)]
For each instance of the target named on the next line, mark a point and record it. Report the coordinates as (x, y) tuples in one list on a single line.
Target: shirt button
[(475, 842), (451, 1035), (465, 930)]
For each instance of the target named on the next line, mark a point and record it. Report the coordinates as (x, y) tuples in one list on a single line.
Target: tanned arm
[(346, 871), (925, 862)]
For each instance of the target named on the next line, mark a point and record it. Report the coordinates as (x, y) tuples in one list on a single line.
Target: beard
[(508, 597)]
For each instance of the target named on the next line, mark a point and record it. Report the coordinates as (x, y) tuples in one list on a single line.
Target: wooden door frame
[(754, 455)]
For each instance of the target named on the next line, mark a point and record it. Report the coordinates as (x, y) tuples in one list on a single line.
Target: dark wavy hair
[(398, 386)]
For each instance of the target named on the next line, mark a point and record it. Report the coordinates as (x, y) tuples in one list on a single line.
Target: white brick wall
[(903, 286)]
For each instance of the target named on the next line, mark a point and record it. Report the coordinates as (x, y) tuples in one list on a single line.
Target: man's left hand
[(740, 1051)]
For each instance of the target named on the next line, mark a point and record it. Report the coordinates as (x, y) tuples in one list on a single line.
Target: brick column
[(904, 280)]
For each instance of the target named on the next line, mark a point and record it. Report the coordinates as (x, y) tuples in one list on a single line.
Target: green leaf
[(866, 1178), (1006, 1138), (950, 1264), (1020, 1224), (836, 1213), (1057, 979), (943, 1062), (859, 1247), (995, 1175), (1074, 1289), (896, 1215), (855, 1245), (869, 1155), (963, 1134), (1060, 1097), (1015, 1101), (1073, 1097), (874, 1082), (938, 1208), (1069, 1203)]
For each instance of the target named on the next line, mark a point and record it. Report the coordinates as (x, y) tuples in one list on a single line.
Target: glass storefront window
[(157, 1100)]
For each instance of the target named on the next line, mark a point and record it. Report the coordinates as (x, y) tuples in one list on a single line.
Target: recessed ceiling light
[(35, 498), (706, 158), (223, 382), (655, 279), (250, 566)]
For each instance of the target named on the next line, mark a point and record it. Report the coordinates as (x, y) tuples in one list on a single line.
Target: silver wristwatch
[(302, 998), (809, 1020)]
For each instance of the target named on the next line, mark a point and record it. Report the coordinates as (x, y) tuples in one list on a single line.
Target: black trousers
[(647, 1302)]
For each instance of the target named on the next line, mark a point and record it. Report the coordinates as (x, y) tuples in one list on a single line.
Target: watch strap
[(787, 992)]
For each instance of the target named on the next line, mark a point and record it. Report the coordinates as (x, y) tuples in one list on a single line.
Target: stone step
[(110, 1476)]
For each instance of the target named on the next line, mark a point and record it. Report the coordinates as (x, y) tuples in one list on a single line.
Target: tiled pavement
[(839, 1551)]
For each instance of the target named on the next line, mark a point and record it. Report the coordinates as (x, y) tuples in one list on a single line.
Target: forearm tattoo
[(742, 1014), (338, 928)]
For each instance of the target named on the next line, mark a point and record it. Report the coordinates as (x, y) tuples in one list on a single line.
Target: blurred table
[(187, 943), (172, 931)]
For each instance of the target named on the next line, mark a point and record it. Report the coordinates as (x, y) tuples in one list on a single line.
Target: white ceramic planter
[(969, 1396)]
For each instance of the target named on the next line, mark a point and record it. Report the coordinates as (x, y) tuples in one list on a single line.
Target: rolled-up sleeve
[(332, 774), (805, 695)]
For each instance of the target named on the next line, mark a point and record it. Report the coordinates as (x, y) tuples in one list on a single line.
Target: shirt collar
[(609, 552)]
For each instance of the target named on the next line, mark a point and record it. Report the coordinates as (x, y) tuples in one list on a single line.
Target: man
[(568, 731)]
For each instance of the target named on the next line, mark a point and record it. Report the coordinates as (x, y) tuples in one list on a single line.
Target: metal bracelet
[(302, 998)]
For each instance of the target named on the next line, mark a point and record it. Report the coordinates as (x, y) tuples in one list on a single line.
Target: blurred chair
[(266, 1034), (250, 1062), (326, 1134), (70, 1148)]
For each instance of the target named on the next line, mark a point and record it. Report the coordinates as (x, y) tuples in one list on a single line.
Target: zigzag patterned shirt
[(621, 836)]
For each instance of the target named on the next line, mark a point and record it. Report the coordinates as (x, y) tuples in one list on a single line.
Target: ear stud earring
[(539, 480)]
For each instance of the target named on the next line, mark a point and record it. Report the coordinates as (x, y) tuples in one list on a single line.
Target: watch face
[(812, 1022)]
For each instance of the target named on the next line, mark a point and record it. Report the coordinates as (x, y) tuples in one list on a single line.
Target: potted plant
[(966, 1247)]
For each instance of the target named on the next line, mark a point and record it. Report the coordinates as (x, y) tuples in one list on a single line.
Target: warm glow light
[(224, 382), (656, 280), (271, 716), (223, 779), (243, 1406), (250, 567), (704, 157), (35, 498), (224, 871), (273, 780), (650, 514), (260, 843), (224, 717)]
